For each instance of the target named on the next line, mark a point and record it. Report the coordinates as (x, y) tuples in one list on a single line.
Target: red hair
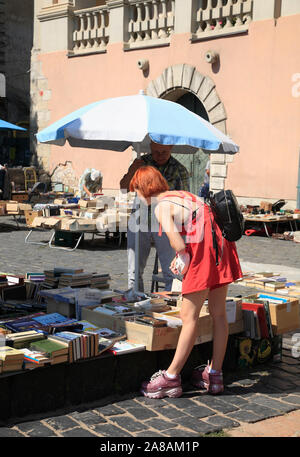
[(149, 181)]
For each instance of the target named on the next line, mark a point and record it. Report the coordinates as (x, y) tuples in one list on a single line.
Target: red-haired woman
[(205, 276)]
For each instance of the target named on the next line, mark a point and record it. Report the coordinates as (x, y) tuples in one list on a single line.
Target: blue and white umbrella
[(117, 123), (8, 126)]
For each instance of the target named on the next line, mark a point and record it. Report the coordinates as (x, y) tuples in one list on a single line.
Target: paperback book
[(124, 347)]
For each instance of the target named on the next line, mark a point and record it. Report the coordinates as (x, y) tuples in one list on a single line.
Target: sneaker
[(212, 382), (161, 386)]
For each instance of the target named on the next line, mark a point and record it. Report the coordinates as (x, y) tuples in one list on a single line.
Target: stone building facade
[(236, 62)]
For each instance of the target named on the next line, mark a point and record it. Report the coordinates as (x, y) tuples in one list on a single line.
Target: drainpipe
[(298, 187)]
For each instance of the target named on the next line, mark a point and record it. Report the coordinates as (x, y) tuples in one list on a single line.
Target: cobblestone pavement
[(264, 393)]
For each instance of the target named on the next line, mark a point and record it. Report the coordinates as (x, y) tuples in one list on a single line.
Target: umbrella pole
[(137, 240)]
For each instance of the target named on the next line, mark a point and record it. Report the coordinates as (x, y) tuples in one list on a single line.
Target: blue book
[(274, 299), (76, 343), (52, 318)]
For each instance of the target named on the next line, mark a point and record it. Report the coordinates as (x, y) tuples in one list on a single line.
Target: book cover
[(249, 323), (48, 347), (35, 357), (75, 339), (52, 318), (104, 345), (124, 347), (15, 279), (260, 310), (8, 353), (58, 270), (272, 298), (267, 311), (64, 326)]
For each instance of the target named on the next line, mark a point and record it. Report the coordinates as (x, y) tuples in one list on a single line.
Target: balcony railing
[(151, 23), (148, 23), (91, 30), (222, 17)]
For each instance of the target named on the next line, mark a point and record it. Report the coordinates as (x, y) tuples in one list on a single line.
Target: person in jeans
[(181, 214), (177, 178)]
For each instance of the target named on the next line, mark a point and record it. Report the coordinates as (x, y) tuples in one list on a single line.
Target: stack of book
[(47, 323), (55, 322), (52, 277), (12, 359), (23, 323), (75, 279), (54, 350), (80, 345), (51, 280), (22, 339), (34, 359), (257, 318), (100, 281), (264, 280), (35, 277), (13, 279)]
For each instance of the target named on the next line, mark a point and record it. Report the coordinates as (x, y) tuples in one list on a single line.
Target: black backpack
[(227, 214)]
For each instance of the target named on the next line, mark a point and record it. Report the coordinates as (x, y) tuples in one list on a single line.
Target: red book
[(262, 319)]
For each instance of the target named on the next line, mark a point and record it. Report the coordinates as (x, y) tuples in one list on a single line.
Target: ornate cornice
[(56, 11)]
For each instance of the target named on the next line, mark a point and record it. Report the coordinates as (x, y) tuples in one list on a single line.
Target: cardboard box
[(24, 207), (67, 223), (51, 222), (154, 338), (87, 203), (60, 201), (85, 224), (284, 316), (30, 215), (205, 323), (90, 214), (12, 207), (3, 207), (266, 206), (19, 196), (37, 221), (112, 322)]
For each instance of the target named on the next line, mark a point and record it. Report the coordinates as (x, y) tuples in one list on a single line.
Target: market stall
[(272, 222), (76, 326), (100, 216)]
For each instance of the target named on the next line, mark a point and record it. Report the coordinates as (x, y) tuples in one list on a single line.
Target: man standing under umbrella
[(177, 177)]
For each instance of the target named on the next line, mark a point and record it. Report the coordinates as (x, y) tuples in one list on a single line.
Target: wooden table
[(272, 220)]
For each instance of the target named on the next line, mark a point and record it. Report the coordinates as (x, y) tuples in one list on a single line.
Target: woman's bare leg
[(190, 310), (217, 309)]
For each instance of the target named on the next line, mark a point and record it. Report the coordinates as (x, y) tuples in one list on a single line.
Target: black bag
[(277, 205), (227, 214)]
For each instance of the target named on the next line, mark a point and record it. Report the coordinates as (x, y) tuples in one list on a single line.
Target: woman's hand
[(173, 267), (180, 264)]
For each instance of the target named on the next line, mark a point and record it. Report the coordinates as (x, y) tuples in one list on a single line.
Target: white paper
[(231, 311)]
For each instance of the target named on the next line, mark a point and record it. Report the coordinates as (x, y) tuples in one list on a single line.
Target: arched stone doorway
[(183, 84)]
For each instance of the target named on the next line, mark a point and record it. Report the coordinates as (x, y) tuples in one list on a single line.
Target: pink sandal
[(212, 382)]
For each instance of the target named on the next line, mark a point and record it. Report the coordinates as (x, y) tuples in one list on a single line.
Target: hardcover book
[(49, 348), (261, 314)]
